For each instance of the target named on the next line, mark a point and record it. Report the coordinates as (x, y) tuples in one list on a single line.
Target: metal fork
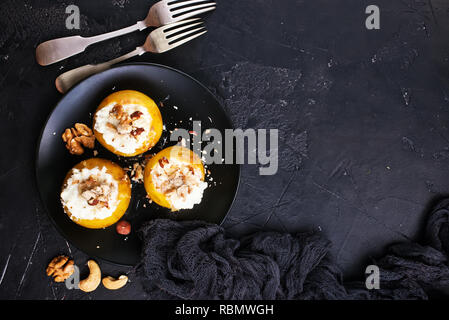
[(161, 13), (158, 41)]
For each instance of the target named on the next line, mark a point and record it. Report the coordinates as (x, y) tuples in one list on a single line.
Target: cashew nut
[(93, 280), (114, 284)]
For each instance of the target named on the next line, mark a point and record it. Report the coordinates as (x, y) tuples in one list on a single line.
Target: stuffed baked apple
[(174, 178), (128, 123), (96, 193)]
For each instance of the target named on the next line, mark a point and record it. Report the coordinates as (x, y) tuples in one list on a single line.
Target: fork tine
[(193, 13), (194, 9), (178, 43), (176, 30), (184, 34), (186, 3), (174, 25)]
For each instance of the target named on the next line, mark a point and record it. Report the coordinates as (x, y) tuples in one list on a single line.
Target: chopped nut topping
[(163, 161), (78, 137), (95, 192), (110, 125), (137, 131), (93, 201), (88, 184), (136, 115), (125, 125), (118, 112)]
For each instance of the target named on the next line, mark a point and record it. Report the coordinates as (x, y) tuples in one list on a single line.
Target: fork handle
[(59, 49), (68, 79)]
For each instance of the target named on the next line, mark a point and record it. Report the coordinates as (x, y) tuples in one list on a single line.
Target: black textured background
[(363, 118)]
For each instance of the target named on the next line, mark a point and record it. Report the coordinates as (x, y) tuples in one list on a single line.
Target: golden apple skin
[(133, 97), (124, 192), (177, 152)]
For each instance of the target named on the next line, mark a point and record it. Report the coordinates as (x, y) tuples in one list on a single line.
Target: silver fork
[(158, 41), (161, 13)]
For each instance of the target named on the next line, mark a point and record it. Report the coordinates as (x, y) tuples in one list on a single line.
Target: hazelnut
[(123, 227)]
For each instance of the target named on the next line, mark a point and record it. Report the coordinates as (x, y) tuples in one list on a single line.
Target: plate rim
[(39, 142)]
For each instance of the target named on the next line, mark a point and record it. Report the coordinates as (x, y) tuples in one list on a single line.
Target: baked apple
[(128, 123), (174, 178), (96, 193)]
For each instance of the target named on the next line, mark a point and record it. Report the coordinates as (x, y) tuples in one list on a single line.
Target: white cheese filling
[(180, 182), (123, 140), (74, 200)]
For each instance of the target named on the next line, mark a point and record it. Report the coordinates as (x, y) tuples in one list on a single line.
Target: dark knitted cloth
[(194, 260)]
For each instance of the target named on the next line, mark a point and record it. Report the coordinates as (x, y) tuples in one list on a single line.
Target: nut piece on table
[(114, 284), (78, 137), (137, 173), (60, 268), (93, 280)]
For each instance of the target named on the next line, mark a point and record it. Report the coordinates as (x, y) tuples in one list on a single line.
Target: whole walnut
[(60, 268), (78, 137)]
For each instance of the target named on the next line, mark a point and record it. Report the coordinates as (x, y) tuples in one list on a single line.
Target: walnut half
[(78, 137), (60, 268)]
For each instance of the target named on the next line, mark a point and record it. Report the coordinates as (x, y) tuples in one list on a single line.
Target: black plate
[(167, 87)]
